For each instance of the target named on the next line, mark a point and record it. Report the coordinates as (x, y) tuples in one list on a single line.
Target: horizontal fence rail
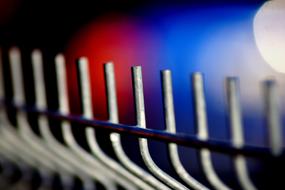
[(183, 139)]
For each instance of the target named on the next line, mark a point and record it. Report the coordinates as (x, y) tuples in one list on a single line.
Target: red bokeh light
[(112, 38)]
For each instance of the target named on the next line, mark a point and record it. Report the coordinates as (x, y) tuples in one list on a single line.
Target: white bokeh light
[(269, 32)]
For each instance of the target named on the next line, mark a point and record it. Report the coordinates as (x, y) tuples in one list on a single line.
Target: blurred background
[(243, 38)]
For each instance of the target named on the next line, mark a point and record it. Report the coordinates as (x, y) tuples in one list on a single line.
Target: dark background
[(49, 24)]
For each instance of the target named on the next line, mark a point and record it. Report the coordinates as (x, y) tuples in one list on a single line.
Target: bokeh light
[(269, 30), (215, 40)]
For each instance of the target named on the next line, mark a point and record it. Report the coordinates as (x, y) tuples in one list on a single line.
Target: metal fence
[(21, 148)]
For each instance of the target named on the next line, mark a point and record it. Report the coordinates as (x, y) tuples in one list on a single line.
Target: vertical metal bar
[(140, 118), (116, 138), (85, 159), (121, 175), (234, 111), (40, 92), (24, 131), (9, 143), (2, 93), (237, 132), (31, 145), (168, 101), (62, 155), (273, 117), (41, 103), (19, 99), (85, 90), (111, 93), (139, 96), (61, 84), (17, 77), (202, 127), (7, 149), (170, 123)]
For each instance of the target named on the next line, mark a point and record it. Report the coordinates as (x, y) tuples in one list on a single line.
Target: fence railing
[(26, 150)]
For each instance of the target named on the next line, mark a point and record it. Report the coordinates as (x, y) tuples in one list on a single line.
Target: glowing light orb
[(269, 31)]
